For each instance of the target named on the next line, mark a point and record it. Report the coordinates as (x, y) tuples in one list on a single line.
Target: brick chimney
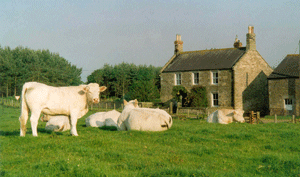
[(237, 44), (178, 45), (251, 43)]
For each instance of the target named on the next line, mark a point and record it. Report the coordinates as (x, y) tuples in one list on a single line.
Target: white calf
[(58, 124)]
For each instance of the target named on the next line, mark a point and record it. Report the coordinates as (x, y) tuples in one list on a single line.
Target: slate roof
[(205, 60), (288, 68)]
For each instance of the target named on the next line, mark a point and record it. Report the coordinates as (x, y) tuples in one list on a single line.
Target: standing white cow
[(70, 101), (225, 116), (143, 119), (58, 123), (101, 119)]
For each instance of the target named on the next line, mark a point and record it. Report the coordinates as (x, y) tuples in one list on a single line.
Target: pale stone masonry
[(233, 77), (284, 87)]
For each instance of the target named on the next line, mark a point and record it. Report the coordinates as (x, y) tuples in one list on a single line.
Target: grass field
[(189, 148)]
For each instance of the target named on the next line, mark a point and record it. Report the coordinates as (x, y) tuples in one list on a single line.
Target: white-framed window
[(215, 77), (195, 78), (215, 99), (178, 79), (288, 104)]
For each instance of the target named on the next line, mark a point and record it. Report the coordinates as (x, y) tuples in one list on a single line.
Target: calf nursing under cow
[(69, 101)]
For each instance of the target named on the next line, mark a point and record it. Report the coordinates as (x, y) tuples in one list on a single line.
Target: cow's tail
[(24, 110)]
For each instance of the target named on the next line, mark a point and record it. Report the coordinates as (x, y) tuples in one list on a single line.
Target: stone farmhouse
[(284, 87), (233, 77)]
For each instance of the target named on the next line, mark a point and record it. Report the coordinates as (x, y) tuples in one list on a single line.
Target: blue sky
[(90, 33)]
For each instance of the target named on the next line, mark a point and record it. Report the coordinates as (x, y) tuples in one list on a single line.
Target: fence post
[(293, 118), (275, 118), (188, 113), (257, 117), (171, 108), (114, 106)]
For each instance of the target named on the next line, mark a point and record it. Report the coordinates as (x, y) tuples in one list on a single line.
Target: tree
[(22, 65), (128, 81)]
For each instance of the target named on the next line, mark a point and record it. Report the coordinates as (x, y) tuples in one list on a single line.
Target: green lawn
[(189, 148)]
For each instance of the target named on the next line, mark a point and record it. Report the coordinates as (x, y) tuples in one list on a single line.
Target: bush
[(179, 91), (197, 97)]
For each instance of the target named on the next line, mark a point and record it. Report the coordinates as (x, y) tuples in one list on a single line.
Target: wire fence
[(179, 112)]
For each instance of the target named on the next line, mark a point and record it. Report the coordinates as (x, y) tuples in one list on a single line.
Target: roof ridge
[(206, 50), (293, 55)]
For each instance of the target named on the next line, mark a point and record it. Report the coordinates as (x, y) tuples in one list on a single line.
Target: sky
[(91, 33)]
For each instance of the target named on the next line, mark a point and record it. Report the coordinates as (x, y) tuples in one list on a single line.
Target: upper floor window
[(178, 79), (215, 77), (196, 78)]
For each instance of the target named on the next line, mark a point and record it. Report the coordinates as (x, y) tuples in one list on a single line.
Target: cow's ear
[(102, 88), (125, 102), (136, 103), (86, 89)]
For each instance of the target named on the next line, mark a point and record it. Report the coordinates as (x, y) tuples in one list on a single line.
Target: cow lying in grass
[(101, 119), (226, 116), (70, 101), (143, 119), (58, 123)]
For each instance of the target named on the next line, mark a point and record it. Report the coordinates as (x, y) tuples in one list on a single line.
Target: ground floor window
[(288, 104), (215, 99)]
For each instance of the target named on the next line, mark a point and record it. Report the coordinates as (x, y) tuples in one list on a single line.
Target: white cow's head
[(238, 116), (131, 104), (92, 91)]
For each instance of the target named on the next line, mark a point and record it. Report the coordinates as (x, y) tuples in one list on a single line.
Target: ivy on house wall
[(197, 97)]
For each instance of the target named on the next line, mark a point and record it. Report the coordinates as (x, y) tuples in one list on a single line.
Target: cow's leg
[(34, 118), (23, 120), (73, 122)]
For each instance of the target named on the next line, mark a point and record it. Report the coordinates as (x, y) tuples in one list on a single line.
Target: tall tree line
[(128, 81), (21, 65)]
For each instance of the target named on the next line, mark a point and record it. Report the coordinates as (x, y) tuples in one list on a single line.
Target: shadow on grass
[(10, 133), (42, 130), (28, 132), (108, 128)]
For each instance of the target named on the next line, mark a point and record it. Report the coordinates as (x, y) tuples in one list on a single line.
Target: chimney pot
[(250, 29), (178, 44), (250, 39)]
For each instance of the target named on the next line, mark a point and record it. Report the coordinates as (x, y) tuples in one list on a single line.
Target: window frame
[(178, 81), (193, 78), (215, 77), (213, 99), (288, 104)]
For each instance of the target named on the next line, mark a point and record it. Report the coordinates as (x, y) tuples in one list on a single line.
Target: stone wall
[(250, 83), (224, 87), (280, 89)]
